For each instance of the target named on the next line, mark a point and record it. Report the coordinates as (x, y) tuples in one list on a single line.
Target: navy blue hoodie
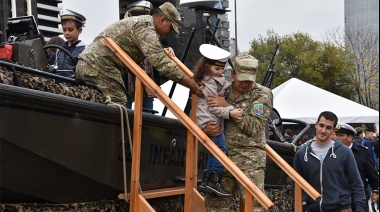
[(336, 178)]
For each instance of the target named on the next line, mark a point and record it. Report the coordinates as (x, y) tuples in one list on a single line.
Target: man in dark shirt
[(359, 135), (376, 147), (288, 135), (369, 130)]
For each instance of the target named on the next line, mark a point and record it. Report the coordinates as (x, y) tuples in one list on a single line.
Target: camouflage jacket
[(138, 38), (250, 130)]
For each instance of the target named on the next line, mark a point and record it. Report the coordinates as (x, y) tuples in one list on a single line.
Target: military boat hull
[(60, 149)]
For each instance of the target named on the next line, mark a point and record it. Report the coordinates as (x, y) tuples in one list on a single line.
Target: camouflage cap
[(246, 67), (171, 14)]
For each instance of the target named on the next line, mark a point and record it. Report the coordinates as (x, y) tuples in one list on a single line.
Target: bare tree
[(362, 49)]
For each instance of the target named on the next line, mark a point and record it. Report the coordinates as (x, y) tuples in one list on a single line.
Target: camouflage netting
[(103, 206), (49, 85), (167, 204), (282, 198)]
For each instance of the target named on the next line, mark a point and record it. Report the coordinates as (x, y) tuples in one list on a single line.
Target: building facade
[(362, 38), (362, 13), (45, 13)]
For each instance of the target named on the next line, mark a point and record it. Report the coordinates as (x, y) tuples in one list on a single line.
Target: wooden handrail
[(180, 64), (190, 125), (292, 173)]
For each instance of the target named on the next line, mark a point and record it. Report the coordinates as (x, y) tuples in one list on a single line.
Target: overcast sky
[(255, 17)]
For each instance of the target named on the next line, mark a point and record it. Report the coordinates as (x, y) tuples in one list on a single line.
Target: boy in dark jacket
[(329, 166), (72, 23)]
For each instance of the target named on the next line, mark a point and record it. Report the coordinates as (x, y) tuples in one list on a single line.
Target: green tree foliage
[(321, 64)]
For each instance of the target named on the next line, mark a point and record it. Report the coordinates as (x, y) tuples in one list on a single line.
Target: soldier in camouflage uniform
[(139, 37), (245, 139)]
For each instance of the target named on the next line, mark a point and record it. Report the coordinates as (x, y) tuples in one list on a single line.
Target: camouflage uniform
[(138, 38), (245, 141)]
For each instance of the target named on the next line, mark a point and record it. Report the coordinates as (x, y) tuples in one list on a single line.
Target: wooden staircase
[(194, 202)]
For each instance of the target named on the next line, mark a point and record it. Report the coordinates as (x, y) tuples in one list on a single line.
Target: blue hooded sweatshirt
[(336, 178)]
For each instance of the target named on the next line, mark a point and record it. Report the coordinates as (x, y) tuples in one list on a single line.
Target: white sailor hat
[(214, 55), (141, 7), (342, 127), (67, 14)]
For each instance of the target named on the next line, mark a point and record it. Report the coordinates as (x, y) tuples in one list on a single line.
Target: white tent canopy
[(295, 99)]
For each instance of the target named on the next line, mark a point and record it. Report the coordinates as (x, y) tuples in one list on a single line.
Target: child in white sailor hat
[(209, 70), (72, 23)]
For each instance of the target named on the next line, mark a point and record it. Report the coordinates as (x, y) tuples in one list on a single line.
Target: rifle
[(269, 75), (267, 81)]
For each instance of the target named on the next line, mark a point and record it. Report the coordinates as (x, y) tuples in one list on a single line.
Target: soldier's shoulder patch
[(258, 108)]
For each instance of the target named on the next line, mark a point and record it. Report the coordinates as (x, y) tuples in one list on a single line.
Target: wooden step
[(152, 194)]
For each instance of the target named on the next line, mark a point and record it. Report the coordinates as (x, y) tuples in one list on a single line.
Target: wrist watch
[(231, 107)]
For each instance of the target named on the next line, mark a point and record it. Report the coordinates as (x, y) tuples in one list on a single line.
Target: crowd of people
[(344, 168)]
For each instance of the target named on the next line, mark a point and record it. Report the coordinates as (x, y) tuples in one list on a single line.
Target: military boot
[(215, 185), (205, 180)]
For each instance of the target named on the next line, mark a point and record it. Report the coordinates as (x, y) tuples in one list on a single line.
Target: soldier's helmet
[(214, 55), (140, 8), (67, 15)]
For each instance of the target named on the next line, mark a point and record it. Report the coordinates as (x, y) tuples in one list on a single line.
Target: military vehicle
[(60, 144)]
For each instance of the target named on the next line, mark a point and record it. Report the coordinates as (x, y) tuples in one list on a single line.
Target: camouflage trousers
[(251, 162), (109, 80)]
